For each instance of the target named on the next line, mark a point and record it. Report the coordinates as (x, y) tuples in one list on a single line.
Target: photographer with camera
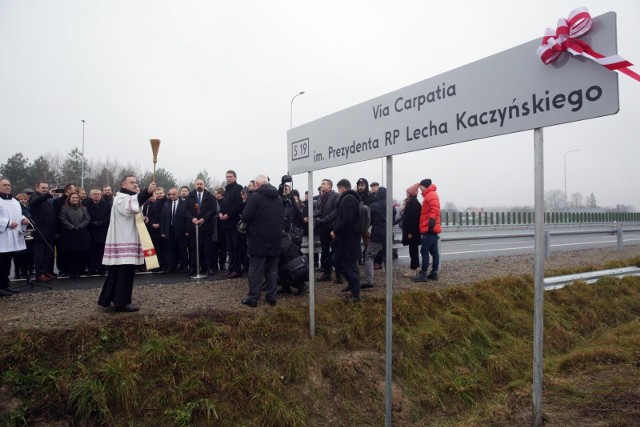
[(292, 218), (44, 217)]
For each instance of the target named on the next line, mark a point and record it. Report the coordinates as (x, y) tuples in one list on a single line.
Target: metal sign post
[(538, 302), (508, 92)]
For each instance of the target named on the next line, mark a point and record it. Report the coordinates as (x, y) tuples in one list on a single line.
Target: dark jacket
[(100, 214), (378, 208), (411, 222), (366, 197), (263, 215), (154, 214), (43, 216), (232, 205), (207, 210), (327, 204), (345, 229), (179, 220), (74, 228)]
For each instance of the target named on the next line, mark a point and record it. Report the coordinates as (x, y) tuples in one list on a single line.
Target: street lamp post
[(566, 198), (82, 167), (291, 109)]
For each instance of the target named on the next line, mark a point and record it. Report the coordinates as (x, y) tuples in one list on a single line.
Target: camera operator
[(292, 218), (45, 220)]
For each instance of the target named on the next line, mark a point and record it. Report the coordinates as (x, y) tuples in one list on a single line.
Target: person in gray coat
[(75, 239)]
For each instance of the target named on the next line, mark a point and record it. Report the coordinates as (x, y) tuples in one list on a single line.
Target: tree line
[(58, 171)]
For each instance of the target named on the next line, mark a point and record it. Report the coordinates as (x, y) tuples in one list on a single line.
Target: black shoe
[(339, 280), (302, 289), (129, 308), (422, 277), (433, 275), (271, 302), (5, 293), (351, 299), (211, 272), (13, 291), (17, 277), (325, 278), (347, 289), (366, 286), (191, 273), (284, 290), (249, 302)]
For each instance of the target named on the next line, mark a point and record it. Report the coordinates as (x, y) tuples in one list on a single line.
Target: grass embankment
[(462, 356)]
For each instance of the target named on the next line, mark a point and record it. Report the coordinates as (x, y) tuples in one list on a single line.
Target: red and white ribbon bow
[(565, 37)]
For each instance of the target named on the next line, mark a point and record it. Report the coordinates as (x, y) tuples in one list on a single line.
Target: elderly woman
[(75, 239)]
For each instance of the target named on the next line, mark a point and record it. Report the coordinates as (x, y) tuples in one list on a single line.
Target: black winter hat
[(425, 183)]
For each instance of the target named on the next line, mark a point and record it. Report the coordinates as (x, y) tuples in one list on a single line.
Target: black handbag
[(296, 234), (297, 268)]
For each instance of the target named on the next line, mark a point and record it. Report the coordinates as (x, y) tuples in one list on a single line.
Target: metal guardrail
[(618, 231), (559, 282)]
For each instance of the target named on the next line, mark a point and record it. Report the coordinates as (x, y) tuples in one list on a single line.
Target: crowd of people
[(255, 229)]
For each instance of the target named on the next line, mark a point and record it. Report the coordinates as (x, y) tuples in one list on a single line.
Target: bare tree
[(577, 200), (554, 199), (450, 207)]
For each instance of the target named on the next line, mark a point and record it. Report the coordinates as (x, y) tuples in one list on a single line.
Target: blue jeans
[(430, 246)]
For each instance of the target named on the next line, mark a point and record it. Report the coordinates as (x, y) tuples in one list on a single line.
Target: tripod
[(28, 237)]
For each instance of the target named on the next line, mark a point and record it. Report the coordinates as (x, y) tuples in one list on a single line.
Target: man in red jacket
[(430, 228)]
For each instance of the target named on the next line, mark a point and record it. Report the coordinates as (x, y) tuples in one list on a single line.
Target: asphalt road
[(472, 247)]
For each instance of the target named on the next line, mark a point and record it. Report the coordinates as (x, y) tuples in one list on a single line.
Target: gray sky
[(214, 81)]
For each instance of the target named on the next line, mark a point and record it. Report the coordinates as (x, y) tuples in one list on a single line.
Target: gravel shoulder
[(64, 309)]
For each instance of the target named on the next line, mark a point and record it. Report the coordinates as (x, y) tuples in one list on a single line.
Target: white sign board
[(508, 92)]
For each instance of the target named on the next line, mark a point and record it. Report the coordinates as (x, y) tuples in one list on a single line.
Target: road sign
[(508, 92)]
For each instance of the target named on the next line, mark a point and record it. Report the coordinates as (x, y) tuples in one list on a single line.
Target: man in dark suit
[(173, 227), (201, 209), (100, 213), (229, 217)]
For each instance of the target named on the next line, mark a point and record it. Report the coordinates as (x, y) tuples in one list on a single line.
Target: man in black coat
[(201, 209), (174, 232), (347, 237), (100, 213), (326, 219), (154, 215), (45, 219), (58, 203), (229, 217), (378, 237), (263, 215)]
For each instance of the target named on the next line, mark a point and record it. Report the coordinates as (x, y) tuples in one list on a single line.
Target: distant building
[(474, 210)]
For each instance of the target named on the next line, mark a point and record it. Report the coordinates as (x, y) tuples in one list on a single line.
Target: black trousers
[(42, 257), (176, 251), (205, 245), (325, 254), (5, 269), (118, 286), (234, 248)]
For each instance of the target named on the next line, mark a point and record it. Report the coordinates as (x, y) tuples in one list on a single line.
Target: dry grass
[(462, 356)]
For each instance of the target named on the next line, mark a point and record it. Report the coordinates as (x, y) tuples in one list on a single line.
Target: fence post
[(547, 244), (619, 236)]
